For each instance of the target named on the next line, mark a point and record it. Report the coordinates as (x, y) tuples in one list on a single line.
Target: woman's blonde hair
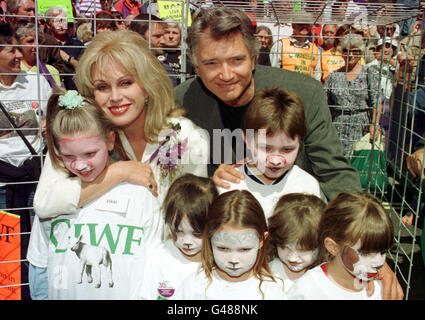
[(296, 218), (354, 216), (85, 32), (131, 52), (62, 122), (240, 209)]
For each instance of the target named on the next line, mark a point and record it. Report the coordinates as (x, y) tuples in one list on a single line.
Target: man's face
[(172, 37), (106, 4), (59, 24), (301, 32), (26, 8), (225, 67), (157, 37), (329, 32), (10, 58)]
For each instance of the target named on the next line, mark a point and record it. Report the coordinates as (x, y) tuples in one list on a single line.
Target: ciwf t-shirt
[(91, 253)]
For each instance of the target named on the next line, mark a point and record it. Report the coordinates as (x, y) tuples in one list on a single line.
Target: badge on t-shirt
[(165, 290), (23, 116), (114, 203)]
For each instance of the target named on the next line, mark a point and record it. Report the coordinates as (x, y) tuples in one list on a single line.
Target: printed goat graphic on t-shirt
[(91, 260)]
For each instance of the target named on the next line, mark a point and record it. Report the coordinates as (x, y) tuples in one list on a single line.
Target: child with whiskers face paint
[(355, 234), (294, 238), (274, 130), (90, 254), (234, 265), (185, 207)]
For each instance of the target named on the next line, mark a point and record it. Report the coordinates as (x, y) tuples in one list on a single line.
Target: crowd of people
[(231, 164)]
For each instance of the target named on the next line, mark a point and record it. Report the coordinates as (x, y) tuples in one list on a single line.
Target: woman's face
[(29, 53), (119, 96), (352, 55), (264, 38)]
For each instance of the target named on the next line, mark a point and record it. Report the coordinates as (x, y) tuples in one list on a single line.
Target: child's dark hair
[(277, 110), (87, 118), (189, 195), (354, 216), (296, 218)]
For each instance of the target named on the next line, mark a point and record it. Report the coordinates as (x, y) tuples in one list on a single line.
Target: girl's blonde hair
[(240, 209), (131, 52), (62, 122), (354, 216), (296, 218)]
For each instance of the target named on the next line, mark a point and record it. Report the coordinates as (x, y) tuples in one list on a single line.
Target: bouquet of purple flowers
[(169, 152)]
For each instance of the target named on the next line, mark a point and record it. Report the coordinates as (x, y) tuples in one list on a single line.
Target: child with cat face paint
[(185, 207), (293, 229), (91, 253), (355, 234), (274, 131), (234, 265)]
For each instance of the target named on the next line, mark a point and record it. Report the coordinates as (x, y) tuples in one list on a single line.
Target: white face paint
[(186, 239), (296, 260), (363, 266), (235, 250)]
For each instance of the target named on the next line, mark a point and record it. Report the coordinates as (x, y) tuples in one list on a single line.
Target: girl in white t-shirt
[(234, 265), (294, 238), (355, 233), (90, 254), (185, 207)]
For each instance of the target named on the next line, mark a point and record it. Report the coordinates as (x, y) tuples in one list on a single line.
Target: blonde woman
[(119, 73)]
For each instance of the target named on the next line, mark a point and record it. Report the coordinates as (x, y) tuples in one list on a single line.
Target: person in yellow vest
[(297, 53), (330, 58)]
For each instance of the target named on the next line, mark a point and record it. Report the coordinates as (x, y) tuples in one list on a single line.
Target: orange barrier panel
[(10, 250)]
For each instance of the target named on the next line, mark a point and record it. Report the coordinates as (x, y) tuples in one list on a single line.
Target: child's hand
[(391, 289), (139, 173), (228, 172)]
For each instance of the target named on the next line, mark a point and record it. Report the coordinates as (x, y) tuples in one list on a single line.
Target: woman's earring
[(146, 101)]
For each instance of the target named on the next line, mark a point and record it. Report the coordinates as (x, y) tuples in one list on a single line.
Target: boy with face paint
[(355, 234), (293, 228), (185, 207), (274, 129), (234, 265)]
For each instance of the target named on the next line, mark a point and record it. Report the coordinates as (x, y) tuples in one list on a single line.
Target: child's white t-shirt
[(315, 285), (115, 230), (196, 287), (294, 180), (164, 269), (277, 269)]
